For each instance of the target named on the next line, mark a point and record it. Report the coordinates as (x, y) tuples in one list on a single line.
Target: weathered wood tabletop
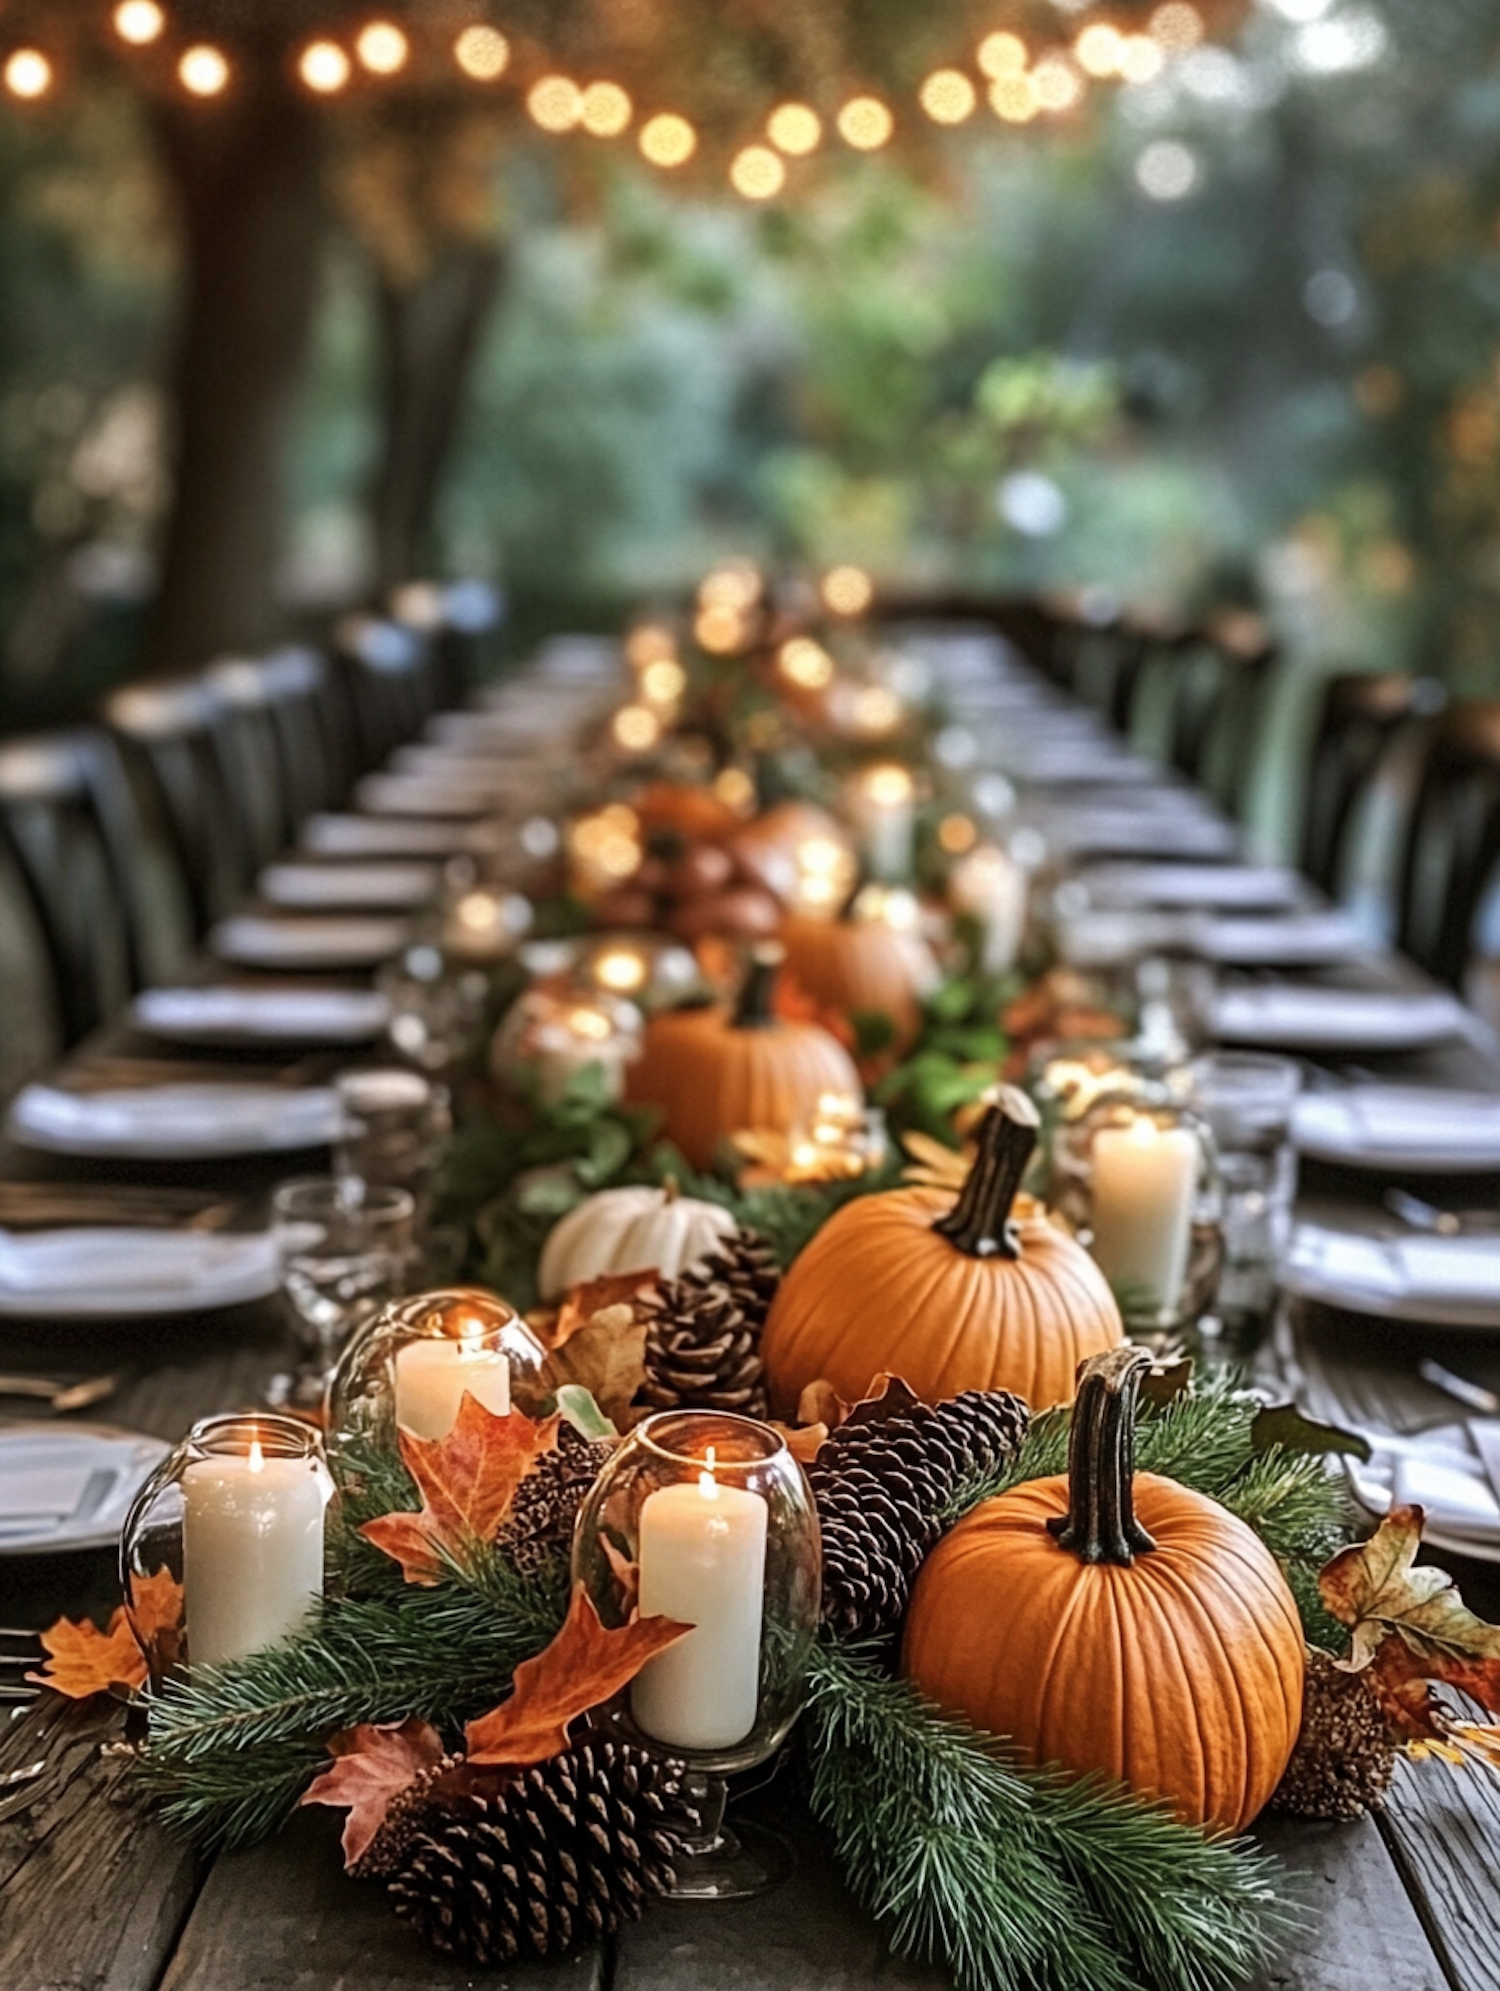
[(95, 1896)]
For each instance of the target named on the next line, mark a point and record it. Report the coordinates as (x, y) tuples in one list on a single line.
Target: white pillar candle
[(564, 1046), (1145, 1177), (434, 1374), (703, 1562), (882, 803), (252, 1551), (990, 885)]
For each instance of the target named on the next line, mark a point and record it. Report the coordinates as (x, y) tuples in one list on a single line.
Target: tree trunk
[(248, 177), (430, 331)]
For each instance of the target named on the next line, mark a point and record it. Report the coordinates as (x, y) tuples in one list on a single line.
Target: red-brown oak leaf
[(83, 1661), (584, 1665), (467, 1481), (1375, 1588), (372, 1765)]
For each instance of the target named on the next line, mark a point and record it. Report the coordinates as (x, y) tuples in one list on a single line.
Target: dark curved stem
[(979, 1222), (1100, 1524), (754, 1009)]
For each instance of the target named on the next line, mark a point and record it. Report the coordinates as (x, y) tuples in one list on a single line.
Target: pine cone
[(704, 1329), (551, 1857), (1345, 1754), (539, 1526), (881, 1487)]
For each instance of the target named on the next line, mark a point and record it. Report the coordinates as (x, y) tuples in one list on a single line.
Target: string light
[(866, 124), (204, 70), (139, 22), (948, 97), (1056, 84), (757, 173), (1001, 54), (28, 74), (1099, 48), (1014, 99), (668, 140), (847, 590), (1177, 27), (483, 53), (324, 67), (606, 111), (795, 128), (555, 103), (382, 48)]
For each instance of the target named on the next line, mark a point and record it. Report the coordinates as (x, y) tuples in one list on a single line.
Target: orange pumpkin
[(716, 1072), (858, 964), (1117, 1623), (769, 848), (949, 1292), (692, 812)]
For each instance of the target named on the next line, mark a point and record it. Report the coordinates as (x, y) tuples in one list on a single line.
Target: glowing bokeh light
[(28, 74), (1098, 49), (204, 70), (139, 22), (1176, 27), (668, 140), (607, 110), (482, 52), (636, 728), (866, 124), (1056, 84), (1014, 99), (1002, 54), (805, 663), (948, 97), (757, 173), (324, 67), (795, 129), (847, 590), (382, 48)]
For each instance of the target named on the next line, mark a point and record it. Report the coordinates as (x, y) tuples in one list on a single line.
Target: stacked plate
[(176, 1122), (238, 1016), (333, 941), (108, 1272), (69, 1486)]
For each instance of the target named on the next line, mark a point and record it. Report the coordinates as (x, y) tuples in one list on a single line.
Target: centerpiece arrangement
[(804, 1432)]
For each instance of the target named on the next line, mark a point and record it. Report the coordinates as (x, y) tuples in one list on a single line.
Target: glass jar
[(707, 1518), (221, 1552), (411, 1366)]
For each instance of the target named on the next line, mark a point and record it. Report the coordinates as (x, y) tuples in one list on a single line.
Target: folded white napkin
[(102, 1270), (316, 885), (42, 1493), (1389, 1274), (330, 940), (419, 795), (1439, 1469), (177, 1120), (337, 1015), (1277, 1013), (381, 836), (1295, 937), (1232, 887)]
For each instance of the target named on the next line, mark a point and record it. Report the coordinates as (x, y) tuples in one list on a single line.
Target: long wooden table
[(95, 1896)]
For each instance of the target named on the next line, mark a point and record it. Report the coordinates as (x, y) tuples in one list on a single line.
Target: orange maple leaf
[(83, 1661), (373, 1764), (583, 1666), (467, 1482)]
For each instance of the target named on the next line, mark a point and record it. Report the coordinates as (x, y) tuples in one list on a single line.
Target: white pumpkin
[(631, 1230)]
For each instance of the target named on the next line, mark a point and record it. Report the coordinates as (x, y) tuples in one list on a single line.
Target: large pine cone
[(1345, 1755), (561, 1854), (539, 1526), (704, 1329), (881, 1488)]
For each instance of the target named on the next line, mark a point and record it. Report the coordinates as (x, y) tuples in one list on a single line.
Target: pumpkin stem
[(671, 1189), (754, 1009), (1100, 1524), (979, 1222)]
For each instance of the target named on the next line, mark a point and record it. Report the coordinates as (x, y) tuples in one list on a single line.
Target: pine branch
[(1020, 1880)]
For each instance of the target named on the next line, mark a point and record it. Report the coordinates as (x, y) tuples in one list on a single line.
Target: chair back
[(1361, 718), (391, 680), (1452, 841)]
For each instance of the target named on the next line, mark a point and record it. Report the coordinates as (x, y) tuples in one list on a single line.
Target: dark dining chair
[(1222, 675), (1364, 720), (1452, 841), (391, 681), (68, 825), (461, 620)]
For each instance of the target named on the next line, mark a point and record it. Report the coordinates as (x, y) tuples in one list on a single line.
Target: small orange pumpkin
[(949, 1292), (770, 849), (860, 963), (691, 811), (716, 1072), (1117, 1624)]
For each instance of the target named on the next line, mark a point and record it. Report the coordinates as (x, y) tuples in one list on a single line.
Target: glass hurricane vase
[(706, 1517)]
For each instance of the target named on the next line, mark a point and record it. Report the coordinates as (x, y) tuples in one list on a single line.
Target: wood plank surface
[(1443, 1826), (285, 1915), (92, 1890), (1359, 1930)]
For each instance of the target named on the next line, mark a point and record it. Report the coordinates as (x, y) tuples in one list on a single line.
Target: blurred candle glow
[(139, 22), (882, 806), (483, 53), (382, 48)]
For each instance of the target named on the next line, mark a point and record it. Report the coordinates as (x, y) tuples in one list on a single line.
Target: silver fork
[(19, 1689), (61, 1397)]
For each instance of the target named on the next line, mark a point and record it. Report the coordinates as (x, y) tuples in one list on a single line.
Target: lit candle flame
[(471, 1341), (708, 1486), (257, 1456)]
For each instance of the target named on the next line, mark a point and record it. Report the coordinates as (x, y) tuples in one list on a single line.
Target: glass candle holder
[(1152, 1210), (232, 1522), (412, 1365), (711, 1520), (437, 1007), (554, 1031)]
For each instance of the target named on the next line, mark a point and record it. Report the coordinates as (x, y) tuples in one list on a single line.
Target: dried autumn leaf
[(467, 1481), (372, 1765), (156, 1602), (820, 1403), (889, 1396), (83, 1661), (1375, 1588), (584, 1665), (606, 1355), (584, 1302), (803, 1441), (625, 1572)]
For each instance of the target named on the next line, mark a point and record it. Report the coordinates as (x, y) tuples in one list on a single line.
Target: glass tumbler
[(344, 1254), (1247, 1098)]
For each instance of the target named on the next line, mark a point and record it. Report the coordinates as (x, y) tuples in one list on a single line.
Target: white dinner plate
[(421, 795), (69, 1486), (102, 1272), (346, 887), (1150, 832), (1242, 888), (1425, 1129), (1290, 1016), (384, 836), (176, 1122), (1442, 1470), (261, 1016), (1451, 1282), (332, 940), (1291, 940)]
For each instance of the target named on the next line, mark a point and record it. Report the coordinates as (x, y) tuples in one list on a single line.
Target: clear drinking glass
[(437, 1006), (1247, 1099), (344, 1253), (396, 1124)]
